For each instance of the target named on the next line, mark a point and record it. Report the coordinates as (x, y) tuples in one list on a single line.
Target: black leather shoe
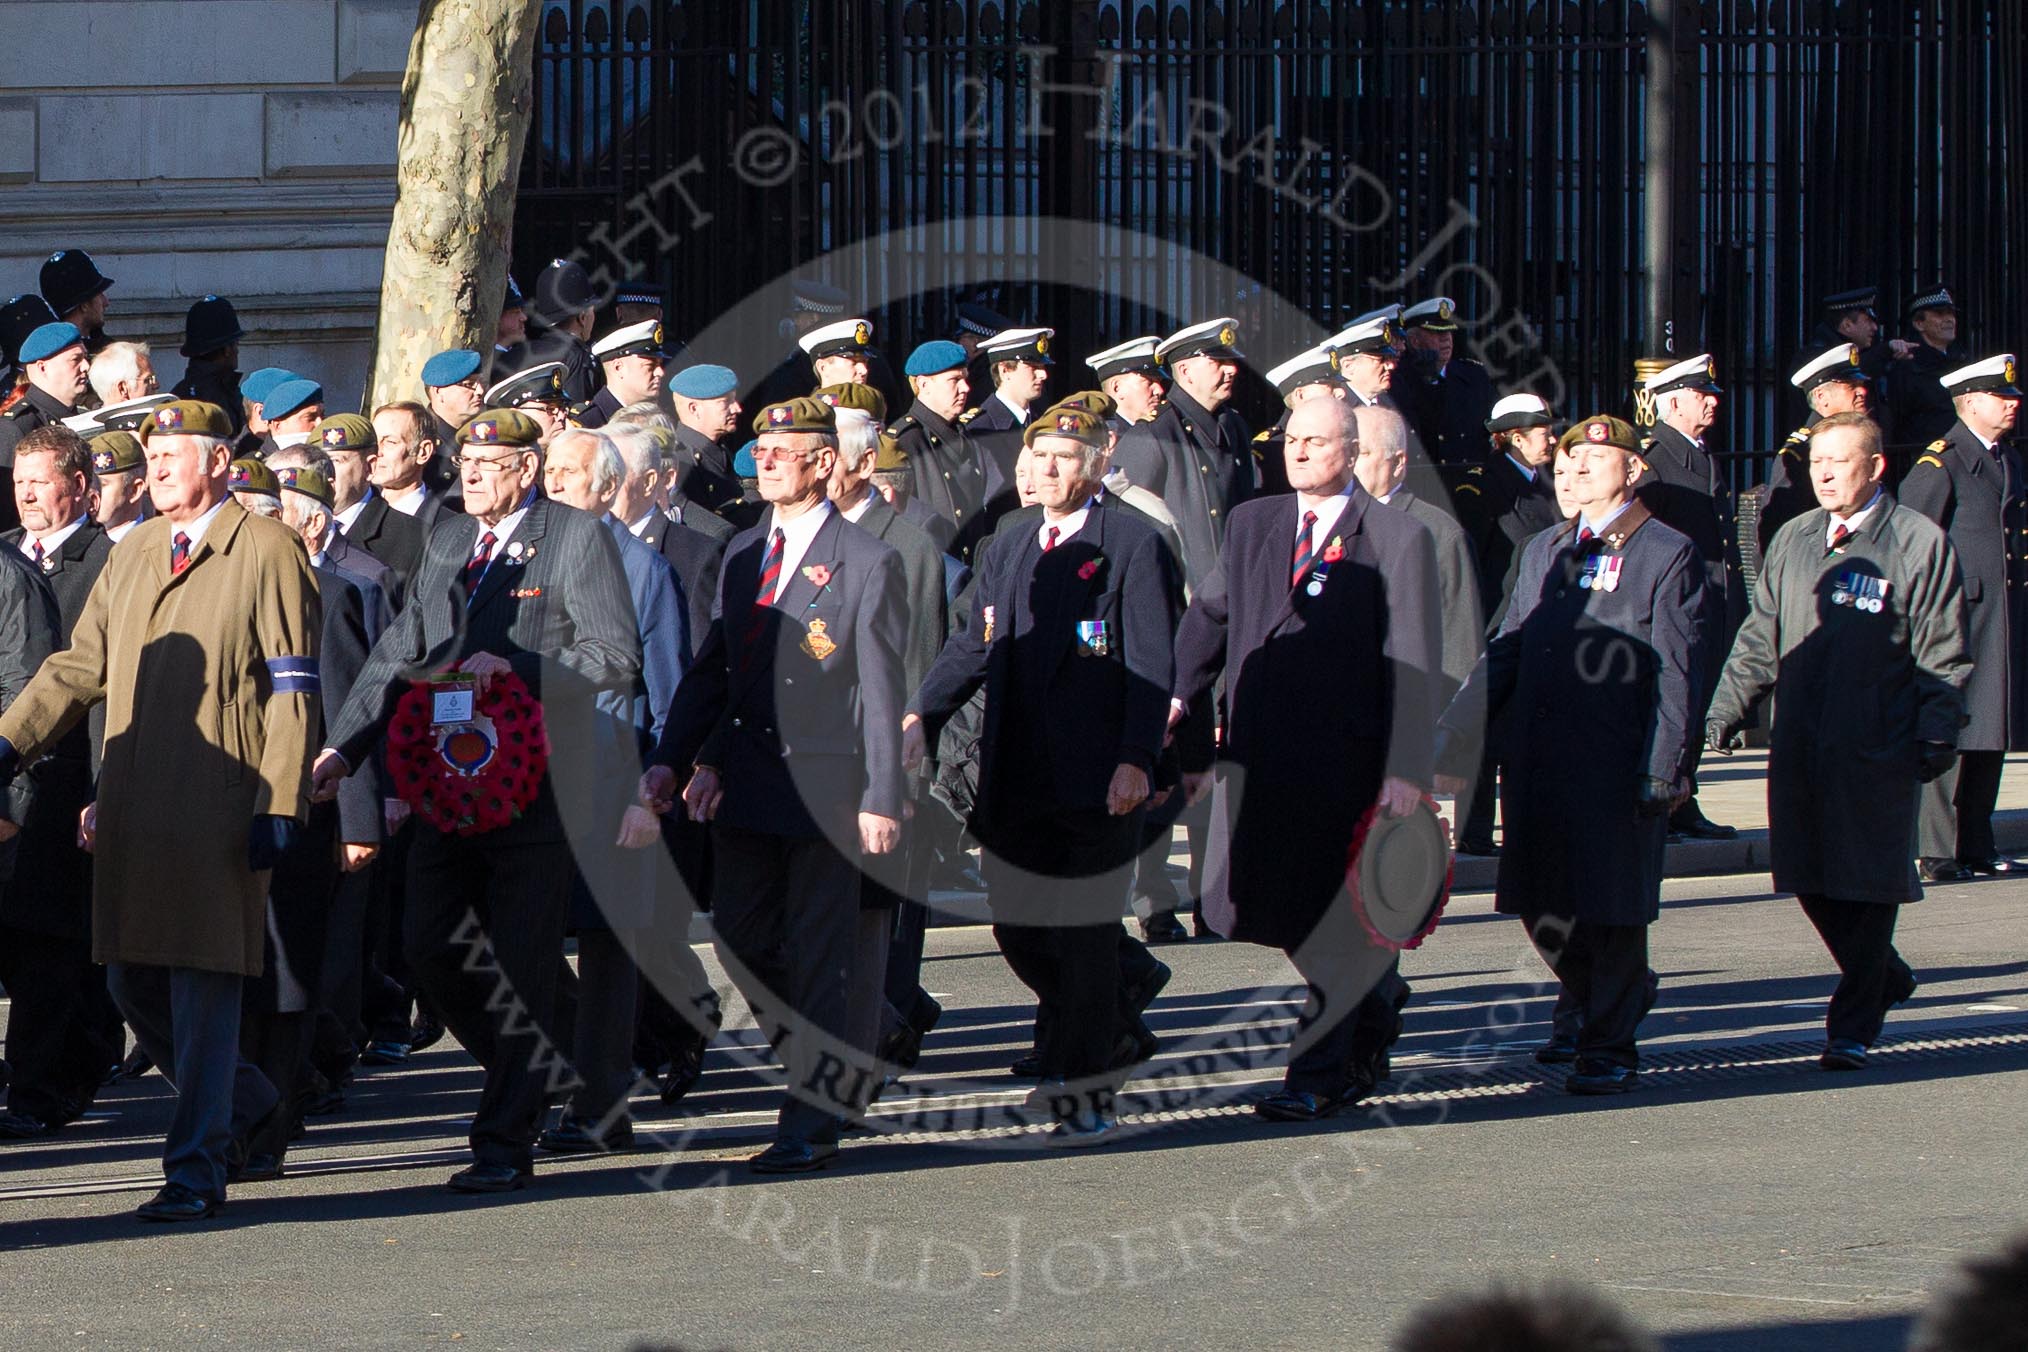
[(1941, 871), (1088, 1127), (259, 1167), (1843, 1053), (1139, 995), (1690, 822), (793, 1155), (1560, 1050), (576, 1136), (686, 1068), (1028, 1067), (1299, 1105), (489, 1178), (1482, 846), (426, 1031), (1601, 1077), (1987, 868), (1162, 927), (385, 1053), (177, 1202), (23, 1127), (136, 1065), (1200, 930), (1900, 986)]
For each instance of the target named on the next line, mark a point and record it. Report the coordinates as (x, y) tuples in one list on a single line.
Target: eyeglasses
[(765, 455), (499, 465)]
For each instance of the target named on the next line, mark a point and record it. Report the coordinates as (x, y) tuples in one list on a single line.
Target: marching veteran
[(1858, 630), (1596, 662), (201, 638)]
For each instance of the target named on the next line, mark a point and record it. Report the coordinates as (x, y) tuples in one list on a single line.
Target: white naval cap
[(1516, 411), (1212, 338), (1029, 345), (1697, 373), (1317, 365), (534, 384), (1438, 314), (125, 416), (644, 337), (828, 340), (1374, 333), (1136, 354), (1991, 375), (1838, 363)]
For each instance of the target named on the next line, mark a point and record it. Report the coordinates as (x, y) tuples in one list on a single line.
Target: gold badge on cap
[(1444, 309), (1042, 346), (816, 642), (2007, 371), (861, 333), (1227, 336)]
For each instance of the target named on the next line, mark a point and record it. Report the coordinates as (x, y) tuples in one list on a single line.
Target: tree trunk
[(464, 116)]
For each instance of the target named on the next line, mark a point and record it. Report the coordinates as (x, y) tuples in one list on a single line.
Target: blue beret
[(742, 461), (448, 368), (936, 356), (704, 382), (48, 340), (257, 385), (290, 395)]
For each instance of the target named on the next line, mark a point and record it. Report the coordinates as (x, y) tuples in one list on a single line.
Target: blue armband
[(294, 675)]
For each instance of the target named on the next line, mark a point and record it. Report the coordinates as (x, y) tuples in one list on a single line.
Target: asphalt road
[(1743, 1199)]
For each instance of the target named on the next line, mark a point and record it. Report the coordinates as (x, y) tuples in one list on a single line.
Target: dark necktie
[(1584, 535), (1049, 542), (1305, 550), (763, 597), (36, 554), (476, 567), (179, 554), (1840, 533)]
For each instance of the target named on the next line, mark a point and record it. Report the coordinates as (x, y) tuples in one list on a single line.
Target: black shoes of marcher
[(1300, 1105), (1843, 1053), (24, 1127), (686, 1068), (1690, 822), (1137, 996), (385, 1053), (1560, 1050), (489, 1178), (177, 1202), (1481, 846), (1028, 1067), (137, 1064), (1601, 1077), (1162, 927), (1900, 986), (794, 1155), (580, 1136), (1941, 871), (259, 1167), (1987, 868), (426, 1031)]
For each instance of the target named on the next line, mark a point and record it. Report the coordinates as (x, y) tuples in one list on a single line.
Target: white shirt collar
[(503, 532), (647, 519), (1598, 528), (1528, 471), (1981, 440), (119, 532), (1020, 415), (194, 531), (1853, 522), (1066, 526), (350, 515), (859, 509), (51, 542), (1328, 511), (797, 535), (408, 504)]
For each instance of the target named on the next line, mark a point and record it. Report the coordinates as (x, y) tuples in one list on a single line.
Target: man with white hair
[(613, 894), (123, 371), (1684, 489), (691, 552)]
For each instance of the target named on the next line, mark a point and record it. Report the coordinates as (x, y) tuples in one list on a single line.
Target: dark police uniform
[(706, 477), (1976, 496), (949, 478), (1863, 647), (1923, 411), (37, 408), (1447, 407)]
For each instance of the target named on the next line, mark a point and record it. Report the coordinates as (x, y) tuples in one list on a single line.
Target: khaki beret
[(346, 432), (309, 482), (252, 476), (187, 418), (501, 427), (890, 456), (865, 398), (1601, 429), (1095, 402), (113, 452), (795, 415), (1080, 425)]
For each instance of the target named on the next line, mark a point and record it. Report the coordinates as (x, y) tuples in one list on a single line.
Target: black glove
[(1657, 797), (269, 840), (1933, 759), (1717, 738), (10, 762)]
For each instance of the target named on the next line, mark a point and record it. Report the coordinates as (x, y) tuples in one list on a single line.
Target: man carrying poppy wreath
[(525, 587)]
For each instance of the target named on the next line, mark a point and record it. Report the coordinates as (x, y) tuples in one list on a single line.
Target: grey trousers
[(187, 1021), (1955, 820)]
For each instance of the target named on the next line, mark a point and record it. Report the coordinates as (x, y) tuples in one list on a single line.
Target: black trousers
[(786, 909), (595, 1008), (1872, 975), (1352, 1013), (1074, 971), (1604, 971), (63, 1032), (1955, 820), (483, 933), (1477, 825), (277, 1045)]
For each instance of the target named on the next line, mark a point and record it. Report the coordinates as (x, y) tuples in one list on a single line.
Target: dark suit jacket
[(374, 580), (341, 655), (701, 519), (35, 897), (804, 734), (1326, 696), (394, 539), (1500, 509), (434, 506), (922, 570), (70, 570), (696, 557), (558, 611), (705, 477), (1061, 715), (1200, 464)]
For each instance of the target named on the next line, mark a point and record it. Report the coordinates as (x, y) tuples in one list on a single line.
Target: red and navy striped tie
[(764, 593), (179, 554), (1306, 553), (475, 567)]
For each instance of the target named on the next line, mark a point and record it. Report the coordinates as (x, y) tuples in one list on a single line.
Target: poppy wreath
[(463, 784), (1358, 894)]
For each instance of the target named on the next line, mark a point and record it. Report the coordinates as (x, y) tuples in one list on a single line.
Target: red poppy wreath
[(474, 777)]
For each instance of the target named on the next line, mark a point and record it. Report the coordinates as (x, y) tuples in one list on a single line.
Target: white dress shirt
[(119, 532), (408, 504), (1064, 528), (51, 542), (1328, 511), (859, 509), (194, 531), (347, 517), (1020, 414), (1853, 522), (796, 536)]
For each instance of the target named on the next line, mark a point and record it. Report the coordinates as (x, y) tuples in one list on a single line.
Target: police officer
[(1852, 316), (1195, 452), (1582, 861), (211, 335), (58, 369), (707, 412), (949, 475), (1922, 406), (1834, 381), (1858, 631), (631, 360), (1684, 488), (1447, 398), (76, 291), (1970, 483)]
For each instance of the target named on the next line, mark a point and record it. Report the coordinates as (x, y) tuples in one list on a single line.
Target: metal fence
[(1340, 155)]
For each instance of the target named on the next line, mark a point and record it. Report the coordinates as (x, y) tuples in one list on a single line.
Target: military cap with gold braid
[(187, 418), (114, 452), (796, 415), (1601, 429), (345, 432), (541, 384), (865, 398), (504, 427), (309, 482), (1080, 425), (1840, 363)]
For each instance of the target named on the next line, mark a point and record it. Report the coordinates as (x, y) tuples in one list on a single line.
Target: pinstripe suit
[(558, 610)]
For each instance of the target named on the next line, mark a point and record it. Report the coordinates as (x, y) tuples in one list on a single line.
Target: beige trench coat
[(211, 720)]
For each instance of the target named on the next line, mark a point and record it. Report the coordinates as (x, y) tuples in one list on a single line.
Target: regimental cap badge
[(556, 380), (1331, 358), (1445, 309), (781, 415), (1597, 432), (1227, 336), (658, 335), (1851, 355), (485, 432), (103, 462), (862, 333), (1042, 345), (1069, 423), (828, 397), (334, 436), (2007, 371), (168, 419)]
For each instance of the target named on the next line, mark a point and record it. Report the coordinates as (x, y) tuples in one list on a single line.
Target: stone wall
[(240, 147)]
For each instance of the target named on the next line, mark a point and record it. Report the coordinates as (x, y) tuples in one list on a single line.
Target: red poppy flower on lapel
[(1089, 569), (819, 574), (1335, 550)]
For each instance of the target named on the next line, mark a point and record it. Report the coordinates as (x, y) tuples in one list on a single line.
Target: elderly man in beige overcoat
[(201, 639)]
